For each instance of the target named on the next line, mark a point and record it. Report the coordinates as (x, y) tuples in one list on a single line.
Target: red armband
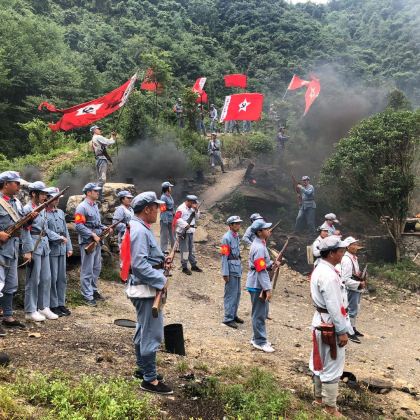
[(225, 249), (260, 265), (162, 207), (79, 219)]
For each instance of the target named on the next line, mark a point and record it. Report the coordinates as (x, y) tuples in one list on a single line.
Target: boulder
[(201, 235)]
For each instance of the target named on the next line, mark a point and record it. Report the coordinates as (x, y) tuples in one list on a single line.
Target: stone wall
[(411, 242)]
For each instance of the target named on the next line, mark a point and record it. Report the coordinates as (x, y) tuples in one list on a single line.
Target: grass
[(58, 396), (182, 366), (404, 275)]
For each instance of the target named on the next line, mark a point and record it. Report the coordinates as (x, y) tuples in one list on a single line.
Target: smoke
[(31, 173)]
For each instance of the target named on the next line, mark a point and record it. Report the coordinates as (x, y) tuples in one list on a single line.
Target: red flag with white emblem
[(242, 107), (312, 93), (235, 80), (150, 82), (199, 84), (89, 112), (297, 83)]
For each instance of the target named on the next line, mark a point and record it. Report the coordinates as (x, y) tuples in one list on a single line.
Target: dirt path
[(88, 341)]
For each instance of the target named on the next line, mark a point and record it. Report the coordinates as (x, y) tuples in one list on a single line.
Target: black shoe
[(186, 271), (13, 324), (231, 324), (355, 339), (358, 333), (160, 388), (97, 296), (238, 320), (91, 302), (66, 311), (138, 374), (3, 332), (57, 311), (196, 268)]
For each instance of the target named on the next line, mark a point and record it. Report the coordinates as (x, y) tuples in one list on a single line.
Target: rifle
[(275, 275), (362, 276), (161, 295), (295, 187), (90, 247), (14, 229), (275, 226), (189, 220)]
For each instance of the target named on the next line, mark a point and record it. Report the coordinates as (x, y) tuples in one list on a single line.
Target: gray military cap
[(331, 216), (330, 243), (259, 225), (255, 216), (233, 219), (142, 200), (306, 178), (91, 186), (166, 184), (10, 176), (124, 193), (93, 128), (38, 186), (192, 197), (53, 191)]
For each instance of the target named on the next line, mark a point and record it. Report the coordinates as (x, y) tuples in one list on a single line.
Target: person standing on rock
[(147, 277), (307, 205), (249, 235), (123, 212), (350, 274), (38, 272), (89, 227), (258, 284), (99, 146), (60, 250), (330, 324), (11, 211), (232, 272), (214, 151), (323, 233), (167, 210), (185, 220)]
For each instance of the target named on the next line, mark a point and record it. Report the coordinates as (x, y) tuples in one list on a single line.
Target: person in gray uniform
[(147, 277), (249, 236), (60, 250), (123, 212), (214, 151), (38, 273), (232, 272), (167, 211), (307, 205), (89, 226), (99, 146), (213, 118), (11, 211), (258, 284)]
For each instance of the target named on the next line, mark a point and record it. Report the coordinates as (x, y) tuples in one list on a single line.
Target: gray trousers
[(90, 270), (305, 216), (354, 302), (259, 315), (231, 298), (187, 249), (101, 170), (147, 338), (38, 283), (213, 126), (8, 284), (166, 235), (58, 281)]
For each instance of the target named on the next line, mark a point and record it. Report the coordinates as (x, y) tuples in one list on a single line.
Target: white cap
[(330, 243), (350, 240), (332, 217)]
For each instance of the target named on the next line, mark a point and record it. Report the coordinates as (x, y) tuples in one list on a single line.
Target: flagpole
[(285, 93)]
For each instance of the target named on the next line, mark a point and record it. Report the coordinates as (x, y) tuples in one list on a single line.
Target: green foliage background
[(69, 51)]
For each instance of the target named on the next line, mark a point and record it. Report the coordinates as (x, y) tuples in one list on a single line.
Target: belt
[(192, 226), (158, 266), (37, 233), (324, 311), (231, 257)]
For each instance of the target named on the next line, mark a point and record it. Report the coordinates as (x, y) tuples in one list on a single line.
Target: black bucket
[(174, 339)]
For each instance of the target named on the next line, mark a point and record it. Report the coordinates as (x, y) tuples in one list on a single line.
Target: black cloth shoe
[(355, 339), (13, 324), (358, 333), (98, 296), (65, 310), (91, 302), (3, 332), (160, 388), (186, 271), (196, 268), (238, 320), (138, 374), (231, 324), (57, 311)]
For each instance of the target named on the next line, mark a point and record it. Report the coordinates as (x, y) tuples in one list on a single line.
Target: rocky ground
[(89, 342)]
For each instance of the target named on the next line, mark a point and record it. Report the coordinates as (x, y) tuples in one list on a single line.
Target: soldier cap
[(192, 197), (350, 240), (306, 178), (255, 216), (143, 199), (233, 219), (332, 217), (10, 176), (259, 225), (91, 186), (331, 243), (38, 186), (93, 128), (53, 191), (124, 193), (324, 226), (166, 184)]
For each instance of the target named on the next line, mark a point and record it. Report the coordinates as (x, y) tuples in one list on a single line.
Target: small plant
[(201, 366), (182, 366)]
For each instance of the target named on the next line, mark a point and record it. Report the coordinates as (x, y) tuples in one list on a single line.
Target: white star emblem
[(89, 109), (312, 93), (243, 105)]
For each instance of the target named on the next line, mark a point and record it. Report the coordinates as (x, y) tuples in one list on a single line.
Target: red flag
[(88, 112), (242, 107), (297, 83), (235, 80), (125, 256), (199, 84), (312, 93), (150, 83), (202, 98)]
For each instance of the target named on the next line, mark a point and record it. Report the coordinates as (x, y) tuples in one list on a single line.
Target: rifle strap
[(10, 210)]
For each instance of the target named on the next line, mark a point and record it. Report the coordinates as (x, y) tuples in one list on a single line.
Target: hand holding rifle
[(90, 247)]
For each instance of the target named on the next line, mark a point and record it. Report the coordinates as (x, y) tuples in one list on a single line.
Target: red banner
[(199, 84), (150, 83), (297, 83), (89, 112), (242, 107), (312, 93), (235, 80)]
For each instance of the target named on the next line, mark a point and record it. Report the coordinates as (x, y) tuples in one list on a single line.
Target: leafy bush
[(247, 146), (404, 274)]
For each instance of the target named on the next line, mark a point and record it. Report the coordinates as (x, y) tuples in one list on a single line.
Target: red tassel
[(125, 255), (316, 356)]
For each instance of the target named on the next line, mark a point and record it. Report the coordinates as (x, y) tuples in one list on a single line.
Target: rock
[(201, 235), (390, 367), (298, 345), (34, 335)]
